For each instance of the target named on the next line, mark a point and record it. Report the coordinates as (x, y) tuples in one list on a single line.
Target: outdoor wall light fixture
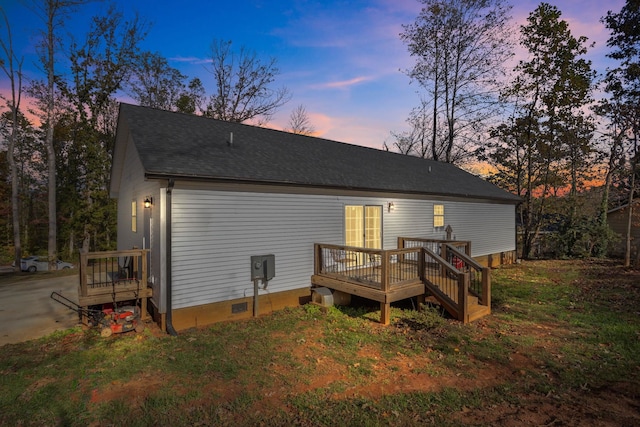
[(391, 207), (148, 201)]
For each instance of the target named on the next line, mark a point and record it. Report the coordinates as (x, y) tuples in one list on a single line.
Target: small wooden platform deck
[(112, 277)]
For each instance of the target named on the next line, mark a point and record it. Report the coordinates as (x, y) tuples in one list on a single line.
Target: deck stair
[(458, 283), (474, 310)]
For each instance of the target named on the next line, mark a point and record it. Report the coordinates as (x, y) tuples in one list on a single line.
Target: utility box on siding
[(263, 267)]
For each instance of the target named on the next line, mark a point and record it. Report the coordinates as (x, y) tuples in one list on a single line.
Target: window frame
[(438, 215), (134, 216)]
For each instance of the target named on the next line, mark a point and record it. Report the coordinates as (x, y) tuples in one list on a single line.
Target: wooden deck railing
[(479, 276), (460, 284), (443, 267), (437, 246), (112, 277), (377, 268), (380, 275)]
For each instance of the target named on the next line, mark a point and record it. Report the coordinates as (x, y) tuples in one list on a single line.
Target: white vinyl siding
[(490, 227), (134, 187), (214, 234), (131, 177)]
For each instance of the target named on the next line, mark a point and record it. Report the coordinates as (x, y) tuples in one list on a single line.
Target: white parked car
[(35, 263)]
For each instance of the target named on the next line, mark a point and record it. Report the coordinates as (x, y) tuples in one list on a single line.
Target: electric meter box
[(263, 267)]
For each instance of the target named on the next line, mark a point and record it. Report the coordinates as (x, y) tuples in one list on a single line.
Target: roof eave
[(227, 180)]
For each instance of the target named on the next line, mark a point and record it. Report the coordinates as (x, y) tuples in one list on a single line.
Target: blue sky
[(342, 60)]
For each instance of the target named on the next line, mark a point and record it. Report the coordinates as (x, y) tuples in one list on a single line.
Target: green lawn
[(562, 347)]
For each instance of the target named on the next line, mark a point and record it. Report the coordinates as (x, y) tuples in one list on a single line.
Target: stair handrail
[(458, 306), (483, 289), (464, 256)]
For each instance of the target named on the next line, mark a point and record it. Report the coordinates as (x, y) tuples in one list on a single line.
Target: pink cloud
[(343, 83), (365, 131)]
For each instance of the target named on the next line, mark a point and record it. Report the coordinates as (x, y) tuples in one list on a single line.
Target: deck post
[(421, 263), (135, 258), (400, 245), (385, 306), (83, 273), (384, 271), (83, 284), (463, 294), (317, 249), (486, 286), (385, 313), (143, 301)]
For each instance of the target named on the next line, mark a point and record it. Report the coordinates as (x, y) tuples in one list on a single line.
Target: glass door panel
[(354, 226), (363, 229), (373, 227)]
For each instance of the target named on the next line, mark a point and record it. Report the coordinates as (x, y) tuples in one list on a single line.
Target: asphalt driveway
[(27, 311)]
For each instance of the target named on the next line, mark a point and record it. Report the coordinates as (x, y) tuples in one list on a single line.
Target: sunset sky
[(342, 60)]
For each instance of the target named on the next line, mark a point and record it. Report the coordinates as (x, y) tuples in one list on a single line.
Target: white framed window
[(438, 216), (134, 216)]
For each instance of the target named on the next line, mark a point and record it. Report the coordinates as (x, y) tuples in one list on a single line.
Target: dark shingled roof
[(175, 145)]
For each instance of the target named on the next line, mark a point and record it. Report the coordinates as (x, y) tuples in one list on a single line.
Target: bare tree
[(422, 139), (243, 82), (12, 68), (299, 122), (460, 47), (52, 13), (155, 83)]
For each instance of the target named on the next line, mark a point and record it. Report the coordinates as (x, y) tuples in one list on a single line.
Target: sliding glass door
[(363, 226)]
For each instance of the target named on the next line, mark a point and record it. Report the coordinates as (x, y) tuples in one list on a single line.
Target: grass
[(562, 335)]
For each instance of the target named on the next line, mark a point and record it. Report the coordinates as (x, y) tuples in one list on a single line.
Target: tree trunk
[(604, 204), (434, 134), (14, 105), (15, 209), (627, 251), (71, 245), (86, 241), (51, 154)]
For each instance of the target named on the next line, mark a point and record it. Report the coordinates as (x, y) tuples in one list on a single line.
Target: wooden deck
[(460, 284), (112, 277), (367, 283)]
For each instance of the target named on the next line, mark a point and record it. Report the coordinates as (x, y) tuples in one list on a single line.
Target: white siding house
[(219, 199)]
